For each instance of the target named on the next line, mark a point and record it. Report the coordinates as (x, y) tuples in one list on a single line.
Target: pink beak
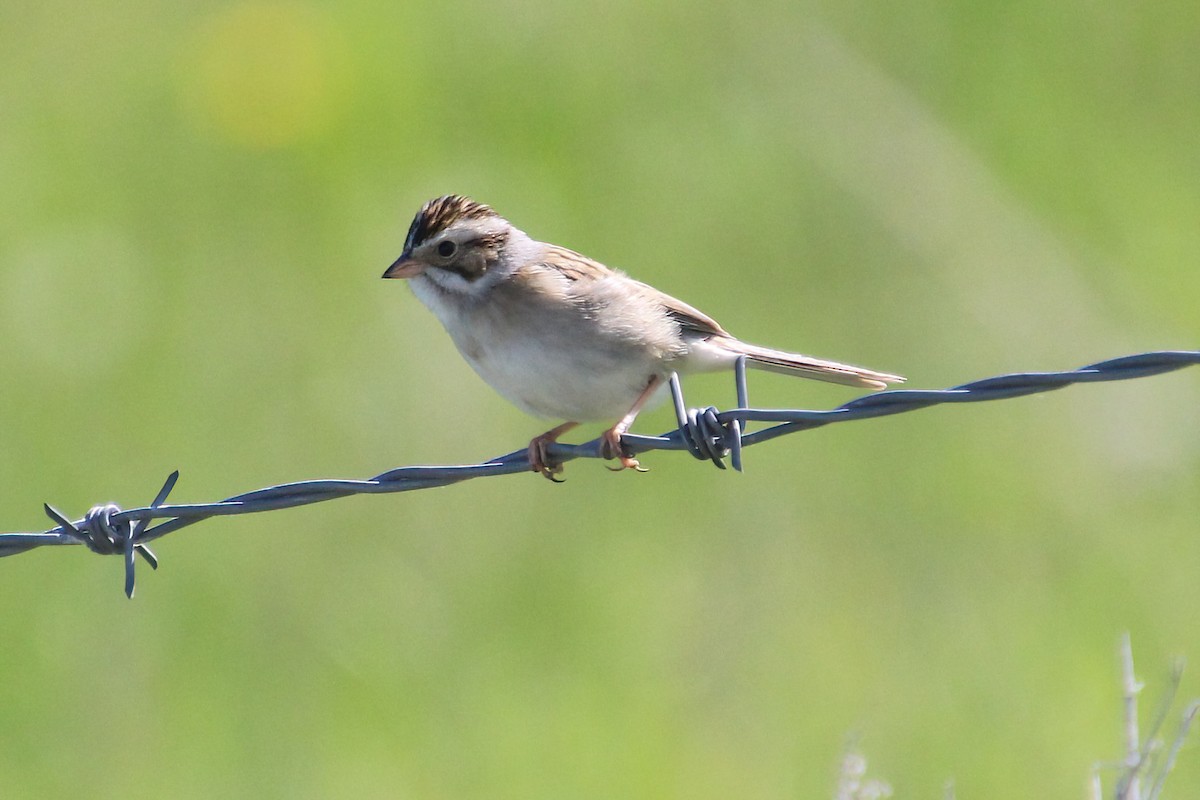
[(405, 267)]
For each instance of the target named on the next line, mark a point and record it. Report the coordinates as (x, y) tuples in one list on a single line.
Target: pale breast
[(562, 354)]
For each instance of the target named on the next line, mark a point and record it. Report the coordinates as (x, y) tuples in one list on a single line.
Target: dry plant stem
[(1189, 716), (852, 783), (1131, 788)]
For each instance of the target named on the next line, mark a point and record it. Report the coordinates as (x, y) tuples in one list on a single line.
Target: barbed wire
[(706, 433)]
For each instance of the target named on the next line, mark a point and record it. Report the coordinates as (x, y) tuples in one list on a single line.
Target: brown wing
[(574, 266), (691, 320), (578, 267)]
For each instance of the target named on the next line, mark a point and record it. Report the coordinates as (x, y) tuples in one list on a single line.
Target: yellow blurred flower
[(266, 75)]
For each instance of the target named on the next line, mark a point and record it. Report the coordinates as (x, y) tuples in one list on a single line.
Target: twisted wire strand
[(707, 433)]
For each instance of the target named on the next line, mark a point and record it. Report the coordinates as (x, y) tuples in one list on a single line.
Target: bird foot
[(540, 460), (610, 447)]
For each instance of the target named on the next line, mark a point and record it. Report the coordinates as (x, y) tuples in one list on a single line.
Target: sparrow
[(562, 336)]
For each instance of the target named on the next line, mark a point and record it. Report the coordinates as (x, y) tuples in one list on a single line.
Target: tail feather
[(819, 369)]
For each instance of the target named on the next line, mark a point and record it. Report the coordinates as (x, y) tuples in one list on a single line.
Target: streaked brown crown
[(439, 214)]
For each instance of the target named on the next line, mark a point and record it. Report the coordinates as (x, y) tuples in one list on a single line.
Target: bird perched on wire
[(565, 337)]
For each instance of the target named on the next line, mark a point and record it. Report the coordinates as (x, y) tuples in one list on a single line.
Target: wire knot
[(108, 536), (701, 429), (707, 437), (101, 534)]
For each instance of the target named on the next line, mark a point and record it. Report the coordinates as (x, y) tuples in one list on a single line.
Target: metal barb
[(139, 527), (706, 433), (737, 427), (64, 523)]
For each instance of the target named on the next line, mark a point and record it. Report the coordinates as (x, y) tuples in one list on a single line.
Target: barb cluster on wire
[(706, 433)]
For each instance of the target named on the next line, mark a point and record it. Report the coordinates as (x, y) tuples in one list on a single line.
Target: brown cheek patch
[(482, 253)]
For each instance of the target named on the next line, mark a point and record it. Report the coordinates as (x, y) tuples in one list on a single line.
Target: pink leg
[(612, 437), (539, 459)]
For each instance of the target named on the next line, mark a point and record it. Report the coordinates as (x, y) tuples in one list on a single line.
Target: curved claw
[(628, 463), (540, 460), (611, 447), (541, 463)]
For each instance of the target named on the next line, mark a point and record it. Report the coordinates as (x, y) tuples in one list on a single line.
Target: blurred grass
[(199, 199)]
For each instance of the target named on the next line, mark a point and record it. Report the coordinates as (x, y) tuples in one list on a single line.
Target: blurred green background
[(198, 200)]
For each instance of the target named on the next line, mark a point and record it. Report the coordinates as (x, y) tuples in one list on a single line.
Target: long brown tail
[(816, 368)]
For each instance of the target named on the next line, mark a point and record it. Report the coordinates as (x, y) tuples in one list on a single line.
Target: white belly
[(545, 380)]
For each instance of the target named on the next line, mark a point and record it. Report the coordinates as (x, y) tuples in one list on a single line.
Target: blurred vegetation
[(198, 200)]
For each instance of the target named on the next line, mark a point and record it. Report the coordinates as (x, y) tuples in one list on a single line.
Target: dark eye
[(447, 249)]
